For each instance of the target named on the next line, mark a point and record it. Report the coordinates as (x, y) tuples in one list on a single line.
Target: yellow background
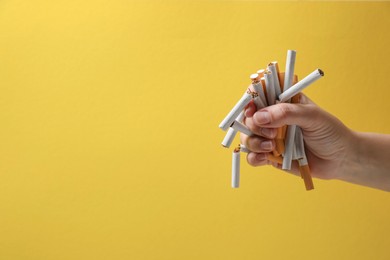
[(109, 138)]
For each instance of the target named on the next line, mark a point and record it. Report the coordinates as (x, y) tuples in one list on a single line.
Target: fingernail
[(267, 145), (263, 117), (268, 132), (261, 157)]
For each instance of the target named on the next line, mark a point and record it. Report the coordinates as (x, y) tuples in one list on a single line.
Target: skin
[(333, 150)]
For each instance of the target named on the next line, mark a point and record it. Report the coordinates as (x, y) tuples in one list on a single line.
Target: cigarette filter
[(274, 158), (275, 77), (289, 72), (233, 114), (231, 133), (261, 73), (269, 85), (309, 79), (238, 126), (279, 141), (304, 170), (236, 168)]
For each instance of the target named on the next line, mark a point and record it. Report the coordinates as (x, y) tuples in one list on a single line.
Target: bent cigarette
[(304, 170), (309, 79), (275, 77), (269, 85), (233, 114), (236, 168), (231, 133), (238, 126)]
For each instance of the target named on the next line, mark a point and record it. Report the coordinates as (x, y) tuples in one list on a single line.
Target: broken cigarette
[(233, 114), (236, 168), (231, 133), (240, 127), (309, 79)]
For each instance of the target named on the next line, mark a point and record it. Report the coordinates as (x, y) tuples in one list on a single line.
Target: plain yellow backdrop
[(109, 138)]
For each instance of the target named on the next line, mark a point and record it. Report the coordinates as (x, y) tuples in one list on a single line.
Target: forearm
[(368, 161)]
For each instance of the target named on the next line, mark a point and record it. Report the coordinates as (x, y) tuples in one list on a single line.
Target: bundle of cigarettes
[(269, 87)]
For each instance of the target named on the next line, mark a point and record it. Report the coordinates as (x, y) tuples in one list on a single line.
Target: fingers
[(265, 132), (304, 115), (250, 109), (259, 144)]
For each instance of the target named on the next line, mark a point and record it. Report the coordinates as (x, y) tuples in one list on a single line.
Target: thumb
[(307, 116)]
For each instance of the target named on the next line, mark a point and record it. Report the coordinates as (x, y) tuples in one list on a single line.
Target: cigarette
[(243, 148), (262, 80), (279, 140), (269, 85), (275, 77), (238, 126), (231, 133), (236, 168), (258, 88), (289, 140), (299, 144), (304, 170), (308, 80), (261, 73), (289, 147), (275, 63), (289, 72), (233, 114)]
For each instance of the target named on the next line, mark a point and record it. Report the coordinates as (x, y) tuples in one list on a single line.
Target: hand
[(327, 140)]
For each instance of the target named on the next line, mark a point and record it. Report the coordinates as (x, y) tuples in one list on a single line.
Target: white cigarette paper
[(308, 80), (236, 168), (290, 136), (231, 133), (274, 73), (289, 72), (289, 150), (238, 126), (269, 86), (233, 114), (244, 149), (299, 144)]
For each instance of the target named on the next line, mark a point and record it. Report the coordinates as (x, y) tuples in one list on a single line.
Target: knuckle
[(285, 110)]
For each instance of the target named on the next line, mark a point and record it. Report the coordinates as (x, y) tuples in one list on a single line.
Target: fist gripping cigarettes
[(269, 89)]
